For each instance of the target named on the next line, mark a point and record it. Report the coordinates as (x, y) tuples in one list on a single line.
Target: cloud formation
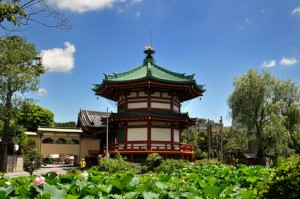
[(269, 64), (296, 11), (82, 6), (59, 59), (286, 61), (42, 91)]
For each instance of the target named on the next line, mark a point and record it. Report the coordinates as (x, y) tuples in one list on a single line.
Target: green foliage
[(11, 11), (285, 181), (73, 171), (206, 161), (170, 165), (31, 116), (153, 160), (117, 165), (70, 124), (20, 69), (267, 108), (15, 15), (235, 140), (32, 160), (191, 181)]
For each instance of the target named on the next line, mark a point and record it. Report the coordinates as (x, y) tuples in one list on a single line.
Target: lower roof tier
[(150, 115), (186, 91)]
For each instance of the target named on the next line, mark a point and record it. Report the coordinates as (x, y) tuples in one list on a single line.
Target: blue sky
[(215, 39)]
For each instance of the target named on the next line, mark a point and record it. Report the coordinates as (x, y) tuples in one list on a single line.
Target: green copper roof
[(149, 70)]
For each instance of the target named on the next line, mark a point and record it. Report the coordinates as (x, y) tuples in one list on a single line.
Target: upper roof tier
[(148, 73)]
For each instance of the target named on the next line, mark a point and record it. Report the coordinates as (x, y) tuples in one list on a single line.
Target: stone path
[(63, 169)]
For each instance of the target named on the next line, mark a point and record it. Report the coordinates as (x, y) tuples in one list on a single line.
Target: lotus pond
[(206, 181)]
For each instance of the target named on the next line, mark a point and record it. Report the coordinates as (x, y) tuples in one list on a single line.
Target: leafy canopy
[(20, 69), (268, 109), (31, 116)]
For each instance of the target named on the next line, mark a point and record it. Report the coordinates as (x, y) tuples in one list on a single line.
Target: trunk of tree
[(3, 147), (6, 127)]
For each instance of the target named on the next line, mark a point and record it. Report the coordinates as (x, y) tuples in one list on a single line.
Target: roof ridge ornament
[(149, 51)]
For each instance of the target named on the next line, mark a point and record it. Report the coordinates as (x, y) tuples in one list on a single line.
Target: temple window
[(61, 141), (73, 141), (48, 141)]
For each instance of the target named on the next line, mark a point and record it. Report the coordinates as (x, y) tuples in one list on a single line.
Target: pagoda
[(149, 119)]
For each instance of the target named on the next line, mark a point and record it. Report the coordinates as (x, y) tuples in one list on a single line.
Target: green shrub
[(153, 160), (74, 171), (285, 181), (117, 165), (170, 165), (210, 161), (32, 160)]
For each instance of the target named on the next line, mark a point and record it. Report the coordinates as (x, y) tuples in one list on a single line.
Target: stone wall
[(14, 163)]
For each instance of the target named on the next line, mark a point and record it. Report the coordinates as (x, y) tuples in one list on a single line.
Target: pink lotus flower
[(55, 170), (39, 180)]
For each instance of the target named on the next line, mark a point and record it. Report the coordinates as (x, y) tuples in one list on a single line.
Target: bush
[(117, 165), (170, 165), (285, 181), (74, 172), (210, 161), (32, 160), (153, 160)]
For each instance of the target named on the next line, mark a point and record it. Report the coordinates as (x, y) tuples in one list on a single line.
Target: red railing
[(150, 147)]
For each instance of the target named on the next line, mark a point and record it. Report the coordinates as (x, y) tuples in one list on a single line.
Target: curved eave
[(186, 92), (150, 117), (152, 80)]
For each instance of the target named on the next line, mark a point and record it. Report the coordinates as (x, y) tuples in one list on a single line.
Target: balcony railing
[(150, 147)]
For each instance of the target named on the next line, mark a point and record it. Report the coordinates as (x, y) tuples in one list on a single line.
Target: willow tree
[(265, 107), (20, 70)]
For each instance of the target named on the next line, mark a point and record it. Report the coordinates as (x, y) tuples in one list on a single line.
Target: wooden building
[(149, 118)]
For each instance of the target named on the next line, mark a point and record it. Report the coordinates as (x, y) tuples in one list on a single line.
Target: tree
[(31, 116), (32, 159), (235, 140), (20, 69), (17, 13), (261, 105), (70, 124)]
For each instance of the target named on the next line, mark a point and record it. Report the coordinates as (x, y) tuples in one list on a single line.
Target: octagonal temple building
[(149, 119)]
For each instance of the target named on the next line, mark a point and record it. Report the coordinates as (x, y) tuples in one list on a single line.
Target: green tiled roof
[(148, 70)]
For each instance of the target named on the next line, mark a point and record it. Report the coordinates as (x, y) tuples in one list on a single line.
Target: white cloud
[(286, 61), (269, 64), (87, 5), (59, 59), (42, 91), (296, 11)]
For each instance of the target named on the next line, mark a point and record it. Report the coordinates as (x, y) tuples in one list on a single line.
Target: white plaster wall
[(160, 134), (160, 105), (142, 94), (176, 135), (137, 105), (132, 94), (137, 134), (164, 94), (176, 108), (156, 94)]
